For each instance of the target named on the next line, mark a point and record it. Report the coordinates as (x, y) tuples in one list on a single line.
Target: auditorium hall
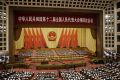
[(59, 39)]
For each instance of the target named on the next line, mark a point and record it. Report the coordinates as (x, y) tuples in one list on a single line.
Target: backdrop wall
[(85, 37)]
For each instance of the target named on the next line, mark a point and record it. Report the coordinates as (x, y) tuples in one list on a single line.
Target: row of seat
[(80, 52), (44, 52), (13, 75), (46, 76), (65, 52), (61, 57), (110, 71), (24, 53), (72, 75), (25, 75), (51, 52)]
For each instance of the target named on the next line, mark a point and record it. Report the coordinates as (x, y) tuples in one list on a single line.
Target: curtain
[(90, 41), (93, 32), (17, 32), (84, 37), (20, 42)]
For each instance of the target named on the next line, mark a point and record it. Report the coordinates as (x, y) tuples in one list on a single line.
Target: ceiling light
[(106, 16)]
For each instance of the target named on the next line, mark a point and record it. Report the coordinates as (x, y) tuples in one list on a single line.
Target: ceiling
[(78, 4)]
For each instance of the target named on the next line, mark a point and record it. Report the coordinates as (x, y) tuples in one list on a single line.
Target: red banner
[(56, 18)]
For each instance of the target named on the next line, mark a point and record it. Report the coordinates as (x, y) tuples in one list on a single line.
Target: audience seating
[(13, 75), (72, 75), (109, 71), (44, 52), (80, 52), (24, 53), (65, 52), (46, 76), (50, 55)]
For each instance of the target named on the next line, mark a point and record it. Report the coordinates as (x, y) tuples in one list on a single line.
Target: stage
[(50, 38), (57, 56)]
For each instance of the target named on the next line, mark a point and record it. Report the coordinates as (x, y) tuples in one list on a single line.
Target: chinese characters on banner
[(54, 19)]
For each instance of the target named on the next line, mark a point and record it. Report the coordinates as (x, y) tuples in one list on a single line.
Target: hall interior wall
[(99, 48)]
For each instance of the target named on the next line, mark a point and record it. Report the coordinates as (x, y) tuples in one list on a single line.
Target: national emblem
[(51, 36)]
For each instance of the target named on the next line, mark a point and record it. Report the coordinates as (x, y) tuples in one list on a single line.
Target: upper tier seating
[(44, 52), (25, 53), (65, 52), (80, 52)]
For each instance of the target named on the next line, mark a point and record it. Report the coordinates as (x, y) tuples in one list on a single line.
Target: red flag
[(30, 39), (68, 39), (72, 39), (25, 39), (38, 38), (60, 39), (42, 39), (76, 40), (41, 42), (34, 39), (63, 39)]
